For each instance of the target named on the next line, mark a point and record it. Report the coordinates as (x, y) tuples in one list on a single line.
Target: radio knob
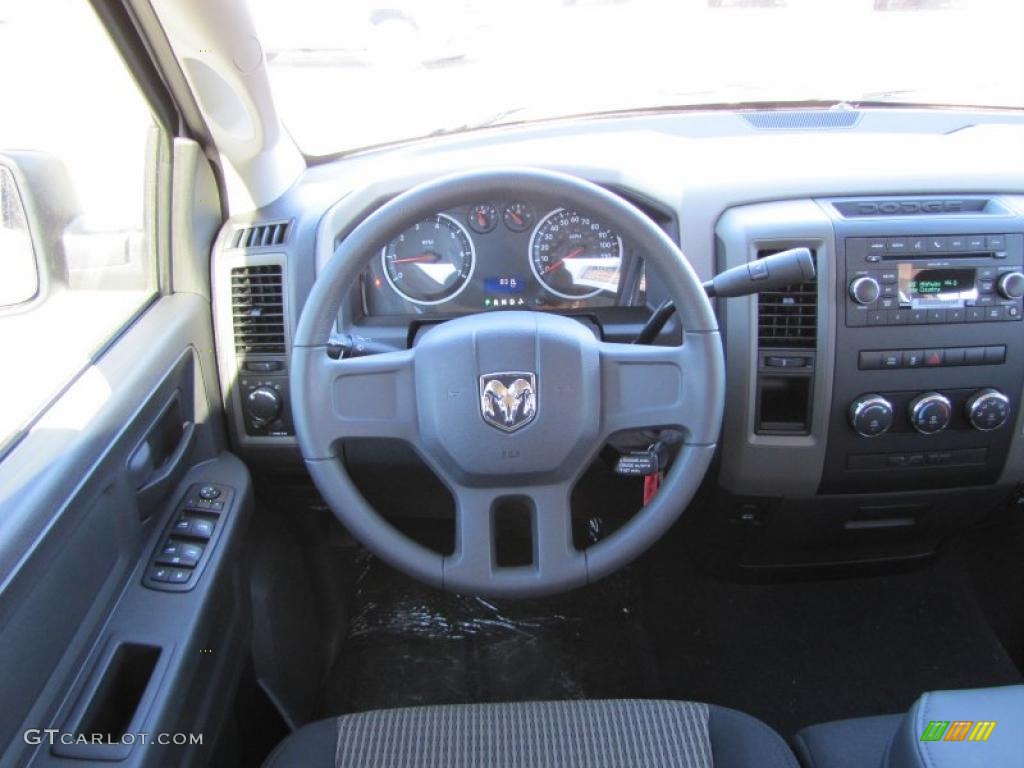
[(871, 415), (1011, 285), (865, 290), (930, 412), (263, 405), (988, 409)]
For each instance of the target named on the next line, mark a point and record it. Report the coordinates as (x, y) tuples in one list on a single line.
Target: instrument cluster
[(499, 255)]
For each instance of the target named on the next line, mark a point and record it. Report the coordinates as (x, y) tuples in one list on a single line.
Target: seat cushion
[(634, 733), (854, 743)]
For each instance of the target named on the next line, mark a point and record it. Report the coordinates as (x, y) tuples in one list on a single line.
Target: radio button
[(887, 277), (913, 358), (897, 245), (986, 286), (936, 315), (955, 356), (876, 246), (869, 360), (974, 356), (996, 243), (878, 317), (975, 314), (995, 355), (937, 244), (917, 244), (976, 242), (1013, 312), (1011, 285), (888, 291), (864, 290), (954, 315), (899, 317), (986, 273), (958, 243), (918, 316), (891, 359), (993, 314)]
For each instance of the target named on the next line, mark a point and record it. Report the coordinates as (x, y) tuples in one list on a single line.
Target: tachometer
[(575, 256), (431, 262)]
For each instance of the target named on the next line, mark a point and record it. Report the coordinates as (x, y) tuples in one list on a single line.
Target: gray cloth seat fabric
[(562, 734)]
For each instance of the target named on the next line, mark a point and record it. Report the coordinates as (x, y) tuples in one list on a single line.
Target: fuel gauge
[(482, 218)]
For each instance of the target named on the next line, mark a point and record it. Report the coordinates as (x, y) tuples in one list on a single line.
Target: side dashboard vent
[(257, 309), (788, 317), (264, 235), (944, 206)]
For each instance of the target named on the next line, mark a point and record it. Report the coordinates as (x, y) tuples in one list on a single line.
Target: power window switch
[(180, 554), (182, 525), (179, 576), (201, 529), (160, 573)]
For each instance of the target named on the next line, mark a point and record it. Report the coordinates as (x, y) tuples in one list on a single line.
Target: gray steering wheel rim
[(561, 190)]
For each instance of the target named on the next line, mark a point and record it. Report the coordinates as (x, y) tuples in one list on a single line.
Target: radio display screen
[(923, 287)]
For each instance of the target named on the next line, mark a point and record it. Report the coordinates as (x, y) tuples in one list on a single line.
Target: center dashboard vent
[(257, 309), (788, 317), (263, 235)]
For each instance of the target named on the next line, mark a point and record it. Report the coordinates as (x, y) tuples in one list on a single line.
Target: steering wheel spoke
[(554, 559), (371, 396), (652, 386)]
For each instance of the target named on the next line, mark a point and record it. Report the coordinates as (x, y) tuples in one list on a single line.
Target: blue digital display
[(506, 285)]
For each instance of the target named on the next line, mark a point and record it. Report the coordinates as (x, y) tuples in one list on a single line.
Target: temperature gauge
[(518, 217)]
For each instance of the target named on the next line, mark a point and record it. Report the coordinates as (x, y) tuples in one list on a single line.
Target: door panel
[(85, 497)]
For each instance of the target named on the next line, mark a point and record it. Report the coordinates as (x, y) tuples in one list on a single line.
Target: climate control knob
[(865, 290), (871, 415), (930, 412), (1011, 285), (263, 405), (987, 409)]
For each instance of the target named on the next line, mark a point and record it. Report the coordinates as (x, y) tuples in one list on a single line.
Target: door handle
[(160, 460)]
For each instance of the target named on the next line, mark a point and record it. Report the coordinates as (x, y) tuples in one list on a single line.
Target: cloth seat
[(550, 734)]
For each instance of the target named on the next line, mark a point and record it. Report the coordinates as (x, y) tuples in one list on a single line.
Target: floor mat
[(795, 654), (409, 644)]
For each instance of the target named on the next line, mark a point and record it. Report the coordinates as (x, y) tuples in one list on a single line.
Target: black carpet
[(792, 654)]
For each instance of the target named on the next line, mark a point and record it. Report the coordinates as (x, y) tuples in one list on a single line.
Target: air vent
[(257, 309), (852, 209), (261, 235), (784, 120), (788, 317)]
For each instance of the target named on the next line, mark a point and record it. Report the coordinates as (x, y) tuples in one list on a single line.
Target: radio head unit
[(935, 279)]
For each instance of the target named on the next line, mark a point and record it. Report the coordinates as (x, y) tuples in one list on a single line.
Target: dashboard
[(503, 254), (874, 397)]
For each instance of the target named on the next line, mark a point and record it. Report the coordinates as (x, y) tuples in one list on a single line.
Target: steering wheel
[(567, 390)]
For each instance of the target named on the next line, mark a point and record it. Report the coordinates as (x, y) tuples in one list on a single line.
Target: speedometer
[(431, 262), (575, 256)]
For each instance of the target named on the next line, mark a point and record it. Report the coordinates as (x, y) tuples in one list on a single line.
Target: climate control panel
[(928, 413)]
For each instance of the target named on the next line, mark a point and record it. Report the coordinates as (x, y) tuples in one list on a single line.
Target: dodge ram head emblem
[(508, 400)]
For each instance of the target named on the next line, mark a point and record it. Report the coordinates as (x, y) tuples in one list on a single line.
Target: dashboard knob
[(1011, 285), (865, 290), (263, 405), (871, 415), (987, 409), (930, 412)]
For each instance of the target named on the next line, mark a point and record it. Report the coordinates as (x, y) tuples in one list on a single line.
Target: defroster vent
[(788, 317), (260, 235), (257, 309)]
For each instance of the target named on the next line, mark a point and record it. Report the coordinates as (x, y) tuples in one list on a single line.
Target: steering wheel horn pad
[(507, 405)]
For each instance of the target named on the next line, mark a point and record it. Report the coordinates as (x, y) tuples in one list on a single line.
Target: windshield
[(365, 72)]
